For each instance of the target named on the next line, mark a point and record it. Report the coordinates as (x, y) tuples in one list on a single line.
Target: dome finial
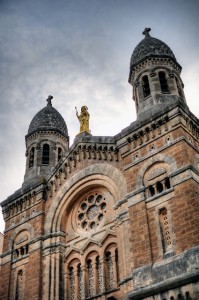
[(49, 100), (146, 32)]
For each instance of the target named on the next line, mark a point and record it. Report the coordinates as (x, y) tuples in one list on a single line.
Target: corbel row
[(80, 153), (19, 205), (156, 128)]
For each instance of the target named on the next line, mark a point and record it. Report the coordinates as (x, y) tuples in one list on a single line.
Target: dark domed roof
[(150, 47), (48, 118)]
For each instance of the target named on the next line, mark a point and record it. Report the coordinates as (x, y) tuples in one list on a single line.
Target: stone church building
[(110, 217)]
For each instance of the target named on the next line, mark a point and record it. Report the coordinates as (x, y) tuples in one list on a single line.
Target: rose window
[(91, 211)]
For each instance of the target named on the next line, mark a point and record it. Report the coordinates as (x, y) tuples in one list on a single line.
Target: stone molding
[(99, 174)]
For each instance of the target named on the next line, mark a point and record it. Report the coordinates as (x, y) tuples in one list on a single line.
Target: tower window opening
[(151, 190), (167, 183), (17, 253), (45, 154), (22, 251), (163, 82), (31, 157), (59, 154), (187, 295), (146, 86), (159, 187)]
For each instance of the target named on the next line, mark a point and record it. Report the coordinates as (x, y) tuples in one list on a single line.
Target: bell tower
[(155, 76), (47, 142)]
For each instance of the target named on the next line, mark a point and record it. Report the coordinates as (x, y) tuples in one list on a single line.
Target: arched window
[(159, 187), (19, 290), (80, 282), (91, 287), (163, 82), (187, 295), (156, 180), (59, 156), (31, 157), (72, 282), (145, 86), (99, 275), (20, 245), (110, 271), (45, 154), (117, 265), (167, 183), (151, 191)]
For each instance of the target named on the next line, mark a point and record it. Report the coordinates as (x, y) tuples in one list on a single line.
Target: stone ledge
[(164, 286)]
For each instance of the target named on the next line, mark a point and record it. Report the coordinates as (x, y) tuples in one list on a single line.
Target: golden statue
[(83, 119)]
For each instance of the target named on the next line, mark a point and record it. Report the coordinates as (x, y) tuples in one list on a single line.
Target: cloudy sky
[(79, 52)]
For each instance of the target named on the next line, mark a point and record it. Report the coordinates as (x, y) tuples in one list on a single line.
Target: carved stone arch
[(32, 144), (170, 161), (28, 227), (142, 73), (95, 175), (72, 255), (111, 246), (161, 68), (109, 239), (91, 254), (157, 169), (73, 261), (43, 141), (91, 249)]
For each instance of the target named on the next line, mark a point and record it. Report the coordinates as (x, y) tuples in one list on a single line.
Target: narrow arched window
[(110, 271), (80, 282), (91, 287), (99, 275), (159, 187), (59, 154), (19, 283), (151, 190), (72, 282), (31, 157), (45, 154), (117, 265), (187, 295), (145, 86), (163, 82), (167, 183)]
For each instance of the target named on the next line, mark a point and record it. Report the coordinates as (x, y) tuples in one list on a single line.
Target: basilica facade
[(110, 217)]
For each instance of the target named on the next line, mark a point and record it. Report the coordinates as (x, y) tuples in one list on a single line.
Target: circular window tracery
[(91, 211)]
